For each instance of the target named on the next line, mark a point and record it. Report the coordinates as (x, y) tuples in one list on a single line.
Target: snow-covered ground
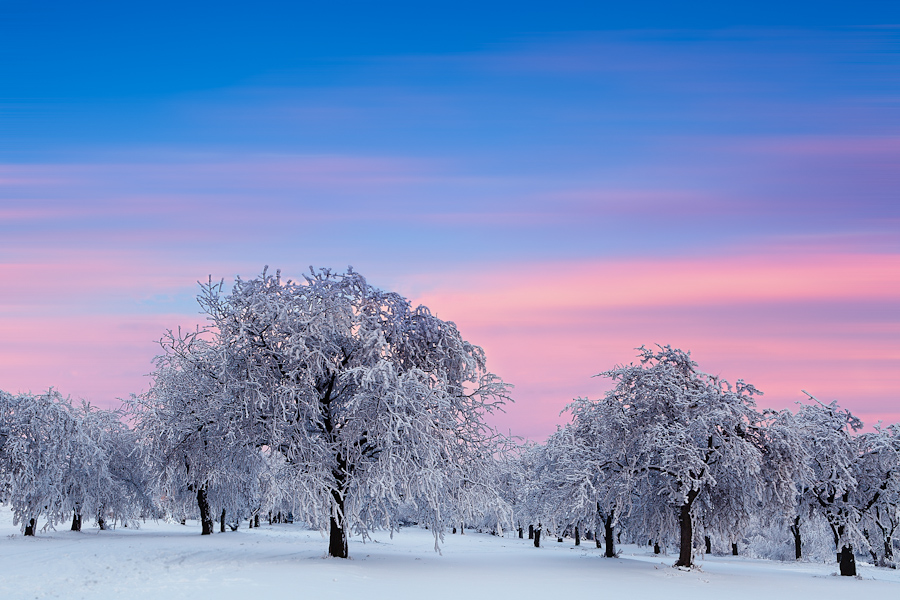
[(165, 560)]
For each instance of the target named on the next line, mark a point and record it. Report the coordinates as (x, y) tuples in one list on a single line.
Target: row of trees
[(66, 462), (349, 409), (673, 455)]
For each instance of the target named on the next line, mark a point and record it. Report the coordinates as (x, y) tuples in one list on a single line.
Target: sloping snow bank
[(165, 560)]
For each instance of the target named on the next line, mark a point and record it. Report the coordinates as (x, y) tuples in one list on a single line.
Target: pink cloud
[(772, 320), (97, 358), (785, 319)]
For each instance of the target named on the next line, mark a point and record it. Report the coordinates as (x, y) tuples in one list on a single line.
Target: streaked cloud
[(564, 197)]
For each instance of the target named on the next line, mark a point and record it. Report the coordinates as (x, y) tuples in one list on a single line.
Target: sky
[(565, 181)]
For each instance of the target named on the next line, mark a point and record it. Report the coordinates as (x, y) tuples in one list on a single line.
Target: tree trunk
[(537, 536), (734, 549), (888, 548), (76, 521), (531, 532), (222, 522), (256, 520), (577, 537), (685, 557), (29, 529), (521, 533), (206, 518), (608, 535), (656, 549), (708, 543), (337, 543), (795, 530), (847, 561)]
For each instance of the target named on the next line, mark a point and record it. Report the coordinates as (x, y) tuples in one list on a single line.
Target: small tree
[(679, 440), (62, 462), (877, 492), (827, 431)]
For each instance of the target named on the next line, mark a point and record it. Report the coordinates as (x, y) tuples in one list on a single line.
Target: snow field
[(165, 560)]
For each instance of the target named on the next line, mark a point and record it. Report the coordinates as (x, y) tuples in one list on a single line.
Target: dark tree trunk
[(656, 549), (608, 535), (250, 523), (847, 562), (222, 522), (29, 529), (537, 536), (559, 539), (76, 521), (531, 532), (256, 521), (888, 548), (795, 530), (577, 537), (337, 543), (206, 518), (685, 558), (708, 543), (462, 529), (454, 530), (521, 533), (734, 549)]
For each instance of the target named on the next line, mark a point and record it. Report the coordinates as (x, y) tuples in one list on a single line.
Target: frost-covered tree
[(103, 477), (877, 492), (522, 487), (827, 432), (682, 440), (61, 462), (599, 476), (373, 404), (194, 447), (786, 468), (40, 437)]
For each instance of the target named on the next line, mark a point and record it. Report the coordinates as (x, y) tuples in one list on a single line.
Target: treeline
[(334, 403), (673, 457)]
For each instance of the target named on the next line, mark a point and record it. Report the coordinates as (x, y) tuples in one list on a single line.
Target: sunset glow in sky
[(564, 183)]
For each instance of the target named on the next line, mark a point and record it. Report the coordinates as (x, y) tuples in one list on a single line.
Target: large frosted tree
[(374, 405)]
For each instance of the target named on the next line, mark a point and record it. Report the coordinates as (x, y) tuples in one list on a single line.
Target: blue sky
[(472, 156)]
